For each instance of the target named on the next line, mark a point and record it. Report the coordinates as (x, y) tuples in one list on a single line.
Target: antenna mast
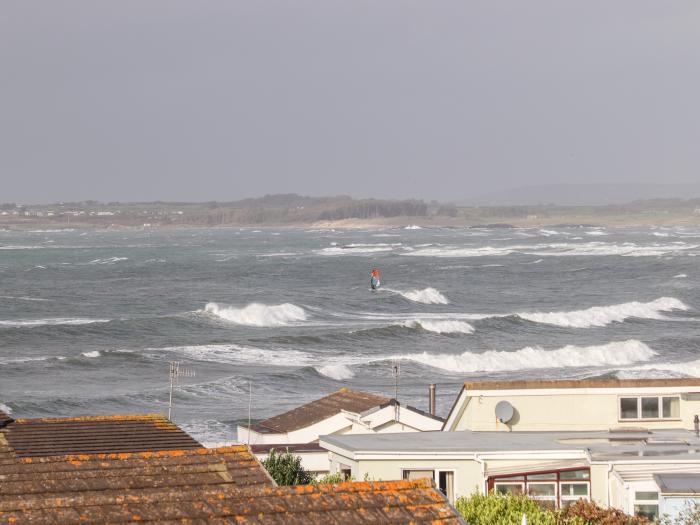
[(175, 374), (397, 373), (250, 403)]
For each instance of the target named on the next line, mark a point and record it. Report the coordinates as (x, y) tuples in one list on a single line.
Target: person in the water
[(374, 279)]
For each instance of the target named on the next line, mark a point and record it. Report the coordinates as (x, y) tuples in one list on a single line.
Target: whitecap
[(614, 353), (256, 314), (5, 408), (412, 227), (604, 315), (441, 327), (232, 353), (94, 353), (425, 296), (338, 372)]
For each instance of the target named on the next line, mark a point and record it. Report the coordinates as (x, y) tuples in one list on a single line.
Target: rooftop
[(320, 409), (673, 444), (676, 483), (91, 476), (96, 434), (581, 383), (376, 502)]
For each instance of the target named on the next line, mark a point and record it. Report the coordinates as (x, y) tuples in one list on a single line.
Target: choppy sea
[(89, 321)]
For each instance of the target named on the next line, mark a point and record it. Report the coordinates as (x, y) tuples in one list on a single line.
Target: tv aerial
[(176, 372)]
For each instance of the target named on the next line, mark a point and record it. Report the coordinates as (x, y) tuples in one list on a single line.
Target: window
[(671, 407), (545, 493), (446, 484), (646, 504), (418, 474), (650, 407), (552, 488), (572, 492), (509, 488), (628, 408)]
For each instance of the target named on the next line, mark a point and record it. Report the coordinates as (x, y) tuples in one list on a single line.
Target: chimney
[(431, 399)]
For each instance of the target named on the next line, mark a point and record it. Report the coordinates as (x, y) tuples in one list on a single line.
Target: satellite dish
[(504, 411)]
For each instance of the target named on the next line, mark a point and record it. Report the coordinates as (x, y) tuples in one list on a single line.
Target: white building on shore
[(609, 441)]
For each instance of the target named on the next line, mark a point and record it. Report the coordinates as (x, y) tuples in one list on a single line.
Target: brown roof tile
[(367, 502), (581, 383), (58, 436), (93, 475), (320, 409)]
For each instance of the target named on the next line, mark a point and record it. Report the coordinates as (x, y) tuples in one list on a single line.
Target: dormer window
[(636, 408)]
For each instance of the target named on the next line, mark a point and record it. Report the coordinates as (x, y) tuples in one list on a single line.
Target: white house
[(558, 441), (341, 412)]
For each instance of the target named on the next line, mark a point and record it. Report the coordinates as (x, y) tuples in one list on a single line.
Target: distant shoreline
[(29, 224)]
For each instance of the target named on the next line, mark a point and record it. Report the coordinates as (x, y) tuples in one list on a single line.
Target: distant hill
[(594, 194)]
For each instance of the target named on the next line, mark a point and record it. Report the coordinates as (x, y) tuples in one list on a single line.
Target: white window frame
[(497, 483), (565, 497), (436, 477), (552, 498), (648, 502), (659, 398)]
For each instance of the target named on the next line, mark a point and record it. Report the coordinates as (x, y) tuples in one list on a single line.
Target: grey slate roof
[(601, 445), (677, 483)]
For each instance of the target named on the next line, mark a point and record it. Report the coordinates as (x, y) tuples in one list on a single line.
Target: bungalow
[(341, 412), (603, 440)]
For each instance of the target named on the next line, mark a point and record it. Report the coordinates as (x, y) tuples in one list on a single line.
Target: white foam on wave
[(627, 249), (5, 408), (257, 314), (680, 276), (548, 233), (478, 251), (596, 233), (686, 369), (604, 315), (94, 353), (335, 371), (18, 323), (425, 296), (354, 250), (109, 260), (412, 227), (232, 353), (616, 353), (441, 327)]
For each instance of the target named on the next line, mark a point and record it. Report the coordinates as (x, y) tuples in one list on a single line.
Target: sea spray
[(604, 315), (615, 353), (256, 314)]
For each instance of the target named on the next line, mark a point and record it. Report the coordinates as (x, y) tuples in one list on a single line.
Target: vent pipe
[(431, 399)]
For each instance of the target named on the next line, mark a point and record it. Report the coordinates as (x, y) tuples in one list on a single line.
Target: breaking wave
[(94, 353), (604, 315), (5, 408), (441, 327), (615, 353), (336, 371), (425, 296), (231, 353), (687, 369), (257, 314)]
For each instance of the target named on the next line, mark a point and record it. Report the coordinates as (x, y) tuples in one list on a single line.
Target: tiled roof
[(366, 502), (84, 477), (101, 434), (582, 383), (320, 409)]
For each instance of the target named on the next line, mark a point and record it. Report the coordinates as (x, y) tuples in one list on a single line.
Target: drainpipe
[(610, 469), (431, 399), (483, 471)]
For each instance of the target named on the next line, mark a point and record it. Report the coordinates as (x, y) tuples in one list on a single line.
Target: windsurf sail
[(374, 281)]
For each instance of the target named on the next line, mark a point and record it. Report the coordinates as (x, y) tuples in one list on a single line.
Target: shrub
[(503, 510), (496, 509), (592, 514), (330, 479), (286, 469)]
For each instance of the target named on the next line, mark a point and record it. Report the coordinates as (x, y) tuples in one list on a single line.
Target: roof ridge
[(117, 417)]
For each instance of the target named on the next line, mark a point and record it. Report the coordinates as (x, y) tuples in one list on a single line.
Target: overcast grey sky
[(202, 100)]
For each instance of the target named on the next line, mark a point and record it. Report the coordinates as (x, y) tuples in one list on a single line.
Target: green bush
[(503, 510), (286, 469), (496, 509), (330, 479)]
